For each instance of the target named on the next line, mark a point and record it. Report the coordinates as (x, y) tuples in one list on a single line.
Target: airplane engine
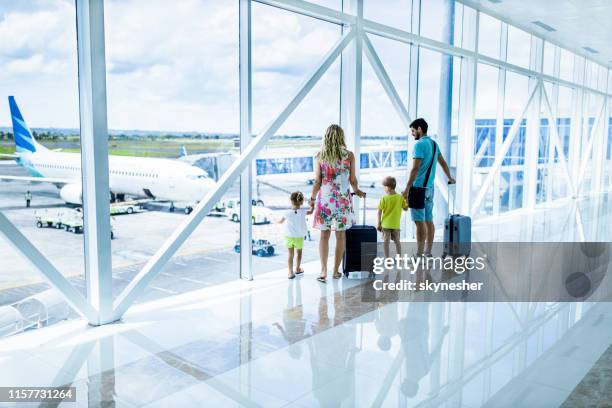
[(72, 194)]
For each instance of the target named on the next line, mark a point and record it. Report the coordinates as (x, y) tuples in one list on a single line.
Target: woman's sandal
[(322, 279), (299, 271), (337, 275), (292, 276)]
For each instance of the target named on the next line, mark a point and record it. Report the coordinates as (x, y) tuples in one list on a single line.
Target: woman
[(334, 175)]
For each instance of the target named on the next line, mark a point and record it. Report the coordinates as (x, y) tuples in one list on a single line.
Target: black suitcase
[(358, 261)]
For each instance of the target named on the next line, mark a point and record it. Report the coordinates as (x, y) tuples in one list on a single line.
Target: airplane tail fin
[(24, 141)]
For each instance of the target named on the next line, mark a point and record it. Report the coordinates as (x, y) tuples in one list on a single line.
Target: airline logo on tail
[(25, 145), (24, 142)]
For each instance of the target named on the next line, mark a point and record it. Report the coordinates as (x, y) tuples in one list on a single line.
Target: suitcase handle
[(449, 198), (364, 206)]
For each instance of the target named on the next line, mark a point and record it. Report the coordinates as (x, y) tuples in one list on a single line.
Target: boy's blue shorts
[(424, 214)]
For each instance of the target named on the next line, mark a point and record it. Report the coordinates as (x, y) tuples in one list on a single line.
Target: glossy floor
[(275, 342)]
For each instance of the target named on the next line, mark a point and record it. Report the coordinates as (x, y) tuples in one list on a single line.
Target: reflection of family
[(332, 205)]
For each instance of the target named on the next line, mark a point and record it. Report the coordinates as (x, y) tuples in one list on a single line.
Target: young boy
[(390, 214), (295, 230)]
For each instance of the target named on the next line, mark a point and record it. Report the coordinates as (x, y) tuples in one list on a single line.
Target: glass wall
[(173, 117), (282, 61), (39, 137)]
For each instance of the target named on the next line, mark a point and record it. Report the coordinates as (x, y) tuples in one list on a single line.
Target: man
[(422, 157), (28, 198)]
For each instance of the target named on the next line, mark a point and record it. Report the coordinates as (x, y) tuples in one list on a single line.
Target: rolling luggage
[(457, 233), (358, 262)]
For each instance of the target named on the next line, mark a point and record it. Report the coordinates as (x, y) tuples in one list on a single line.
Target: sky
[(174, 66)]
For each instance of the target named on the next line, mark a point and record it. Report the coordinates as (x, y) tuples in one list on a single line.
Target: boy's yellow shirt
[(391, 206)]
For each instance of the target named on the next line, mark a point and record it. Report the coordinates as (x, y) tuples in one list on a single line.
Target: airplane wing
[(39, 179)]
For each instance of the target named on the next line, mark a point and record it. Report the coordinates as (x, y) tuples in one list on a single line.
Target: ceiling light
[(591, 50), (495, 1), (543, 25)]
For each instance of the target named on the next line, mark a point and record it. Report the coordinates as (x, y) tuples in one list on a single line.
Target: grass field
[(6, 150)]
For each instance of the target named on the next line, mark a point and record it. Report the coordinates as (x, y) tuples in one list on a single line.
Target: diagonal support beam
[(46, 268), (503, 151), (180, 235), (585, 156), (554, 133), (385, 81), (481, 152)]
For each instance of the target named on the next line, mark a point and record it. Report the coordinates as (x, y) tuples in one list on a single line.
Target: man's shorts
[(424, 214), (294, 242)]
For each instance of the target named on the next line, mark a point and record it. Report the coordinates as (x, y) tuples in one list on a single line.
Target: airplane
[(140, 177)]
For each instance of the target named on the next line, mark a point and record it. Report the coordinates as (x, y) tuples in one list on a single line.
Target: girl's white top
[(295, 223)]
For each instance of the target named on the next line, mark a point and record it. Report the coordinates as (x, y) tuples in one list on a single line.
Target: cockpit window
[(197, 176)]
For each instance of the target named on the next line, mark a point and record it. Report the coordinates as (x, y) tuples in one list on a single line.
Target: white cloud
[(172, 66)]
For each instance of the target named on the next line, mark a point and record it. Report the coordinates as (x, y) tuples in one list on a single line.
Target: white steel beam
[(585, 155), (180, 235), (411, 38), (556, 141), (532, 137), (481, 152), (385, 81), (499, 113), (94, 157), (600, 152), (46, 268), (467, 104), (499, 157), (351, 74), (246, 126), (312, 10), (335, 16)]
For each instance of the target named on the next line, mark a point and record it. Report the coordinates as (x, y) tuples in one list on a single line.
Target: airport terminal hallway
[(274, 342)]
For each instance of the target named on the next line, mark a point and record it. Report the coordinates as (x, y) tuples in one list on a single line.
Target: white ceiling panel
[(578, 23)]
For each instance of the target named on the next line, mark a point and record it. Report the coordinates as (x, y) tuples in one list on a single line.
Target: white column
[(246, 121), (350, 89), (467, 100), (501, 103), (94, 157), (532, 139)]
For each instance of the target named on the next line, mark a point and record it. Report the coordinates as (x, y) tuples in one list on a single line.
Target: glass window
[(395, 13), (549, 59), (489, 35), (511, 186), (172, 76), (384, 137), (519, 46), (485, 130), (566, 70), (286, 48), (39, 113), (437, 20), (283, 60)]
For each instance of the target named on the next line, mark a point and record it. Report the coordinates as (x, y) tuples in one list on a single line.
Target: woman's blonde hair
[(334, 147)]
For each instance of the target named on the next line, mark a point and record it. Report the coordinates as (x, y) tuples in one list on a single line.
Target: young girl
[(295, 231)]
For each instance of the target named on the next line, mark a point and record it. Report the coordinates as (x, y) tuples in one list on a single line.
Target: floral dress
[(334, 206)]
